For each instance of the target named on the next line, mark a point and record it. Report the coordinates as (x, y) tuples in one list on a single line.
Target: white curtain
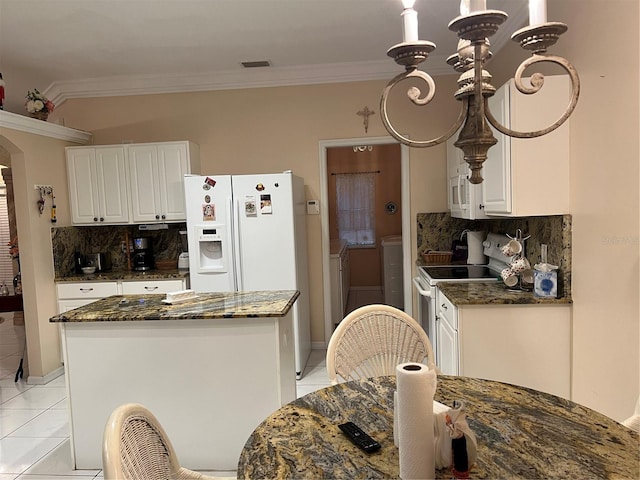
[(355, 201)]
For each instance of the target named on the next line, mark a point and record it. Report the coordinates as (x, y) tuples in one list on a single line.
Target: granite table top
[(493, 293), (522, 433), (119, 308), (124, 275)]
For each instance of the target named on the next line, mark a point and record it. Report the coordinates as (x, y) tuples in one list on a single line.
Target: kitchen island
[(210, 368)]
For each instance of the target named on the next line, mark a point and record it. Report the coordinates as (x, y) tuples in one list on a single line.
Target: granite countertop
[(115, 275), (522, 433), (493, 293), (118, 308)]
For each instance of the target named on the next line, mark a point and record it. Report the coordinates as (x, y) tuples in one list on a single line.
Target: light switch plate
[(313, 207)]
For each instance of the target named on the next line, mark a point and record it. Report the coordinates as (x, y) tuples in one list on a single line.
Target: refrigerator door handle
[(237, 255)]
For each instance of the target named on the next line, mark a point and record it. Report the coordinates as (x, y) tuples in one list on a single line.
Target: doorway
[(388, 161)]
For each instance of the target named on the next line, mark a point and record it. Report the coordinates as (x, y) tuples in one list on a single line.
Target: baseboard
[(318, 346), (33, 380)]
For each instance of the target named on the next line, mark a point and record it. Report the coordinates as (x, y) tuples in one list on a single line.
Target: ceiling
[(85, 48)]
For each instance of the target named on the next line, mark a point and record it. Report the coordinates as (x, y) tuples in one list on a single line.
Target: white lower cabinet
[(340, 279), (77, 294), (152, 286), (527, 345)]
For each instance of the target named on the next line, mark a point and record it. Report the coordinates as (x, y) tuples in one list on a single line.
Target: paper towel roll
[(416, 387)]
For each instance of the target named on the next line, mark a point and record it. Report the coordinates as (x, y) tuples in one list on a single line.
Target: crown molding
[(61, 91), (22, 123)]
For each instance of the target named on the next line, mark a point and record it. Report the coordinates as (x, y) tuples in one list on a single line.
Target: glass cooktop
[(459, 272)]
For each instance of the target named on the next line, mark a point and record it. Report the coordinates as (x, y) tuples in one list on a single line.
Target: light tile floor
[(34, 428)]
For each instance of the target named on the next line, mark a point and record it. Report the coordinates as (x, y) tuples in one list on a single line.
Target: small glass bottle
[(4, 290)]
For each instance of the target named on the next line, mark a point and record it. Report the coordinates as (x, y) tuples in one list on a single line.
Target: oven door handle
[(421, 291)]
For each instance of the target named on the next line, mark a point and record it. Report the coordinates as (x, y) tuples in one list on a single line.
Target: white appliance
[(475, 250), (392, 269), (248, 232), (429, 276)]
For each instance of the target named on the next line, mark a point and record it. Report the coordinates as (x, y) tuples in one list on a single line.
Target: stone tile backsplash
[(68, 240), (436, 231)]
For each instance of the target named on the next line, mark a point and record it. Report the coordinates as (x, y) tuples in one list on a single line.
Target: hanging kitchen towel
[(416, 388)]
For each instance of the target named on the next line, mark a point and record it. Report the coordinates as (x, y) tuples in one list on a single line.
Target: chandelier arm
[(414, 95), (537, 81)]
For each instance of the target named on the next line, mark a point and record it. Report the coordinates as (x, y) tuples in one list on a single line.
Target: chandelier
[(474, 25)]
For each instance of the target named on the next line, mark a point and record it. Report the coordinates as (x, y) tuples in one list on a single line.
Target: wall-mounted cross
[(365, 112)]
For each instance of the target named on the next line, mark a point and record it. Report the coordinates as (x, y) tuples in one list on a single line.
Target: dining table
[(521, 433)]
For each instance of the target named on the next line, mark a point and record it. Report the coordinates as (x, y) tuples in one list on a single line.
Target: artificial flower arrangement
[(14, 251), (37, 102)]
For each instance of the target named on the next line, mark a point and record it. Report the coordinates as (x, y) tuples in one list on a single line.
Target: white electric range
[(429, 276)]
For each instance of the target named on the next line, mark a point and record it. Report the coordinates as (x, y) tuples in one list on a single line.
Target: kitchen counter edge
[(116, 275), (220, 305), (493, 293)]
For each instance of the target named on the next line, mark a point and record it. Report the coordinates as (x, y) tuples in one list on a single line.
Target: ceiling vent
[(259, 63)]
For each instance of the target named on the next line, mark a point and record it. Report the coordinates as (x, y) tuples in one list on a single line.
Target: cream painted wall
[(37, 160), (270, 130), (604, 197)]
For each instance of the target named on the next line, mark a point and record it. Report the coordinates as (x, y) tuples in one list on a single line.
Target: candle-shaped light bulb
[(478, 5), (409, 21), (537, 12)]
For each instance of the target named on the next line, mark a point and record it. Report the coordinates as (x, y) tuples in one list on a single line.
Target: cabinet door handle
[(459, 192), (86, 290), (150, 289), (444, 307)]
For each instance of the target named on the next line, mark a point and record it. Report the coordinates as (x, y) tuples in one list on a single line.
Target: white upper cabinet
[(156, 174), (530, 176), (97, 185), (120, 184)]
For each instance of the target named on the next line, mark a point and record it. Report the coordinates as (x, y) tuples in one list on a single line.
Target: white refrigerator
[(248, 232)]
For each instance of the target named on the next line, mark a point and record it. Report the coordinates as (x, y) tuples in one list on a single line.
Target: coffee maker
[(142, 254)]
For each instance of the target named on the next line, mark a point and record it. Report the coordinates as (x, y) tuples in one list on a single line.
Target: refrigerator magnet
[(265, 204), (250, 206), (208, 212)]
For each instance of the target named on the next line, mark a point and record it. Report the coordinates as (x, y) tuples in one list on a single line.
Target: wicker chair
[(136, 447), (372, 340)]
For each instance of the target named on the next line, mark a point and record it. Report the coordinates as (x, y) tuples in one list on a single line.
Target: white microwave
[(465, 198)]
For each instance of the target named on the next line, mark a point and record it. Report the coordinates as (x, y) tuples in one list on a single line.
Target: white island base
[(210, 382)]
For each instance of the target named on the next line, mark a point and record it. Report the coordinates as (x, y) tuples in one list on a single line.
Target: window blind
[(6, 263)]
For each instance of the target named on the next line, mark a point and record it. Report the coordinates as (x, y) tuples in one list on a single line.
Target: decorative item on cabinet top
[(37, 105), (144, 182)]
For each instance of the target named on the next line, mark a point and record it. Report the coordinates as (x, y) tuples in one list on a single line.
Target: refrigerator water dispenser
[(211, 249)]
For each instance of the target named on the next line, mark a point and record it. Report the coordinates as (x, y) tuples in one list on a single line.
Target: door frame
[(323, 145)]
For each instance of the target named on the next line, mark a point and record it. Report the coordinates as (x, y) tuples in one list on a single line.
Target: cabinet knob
[(481, 207), (95, 219), (102, 219), (164, 216), (157, 217)]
